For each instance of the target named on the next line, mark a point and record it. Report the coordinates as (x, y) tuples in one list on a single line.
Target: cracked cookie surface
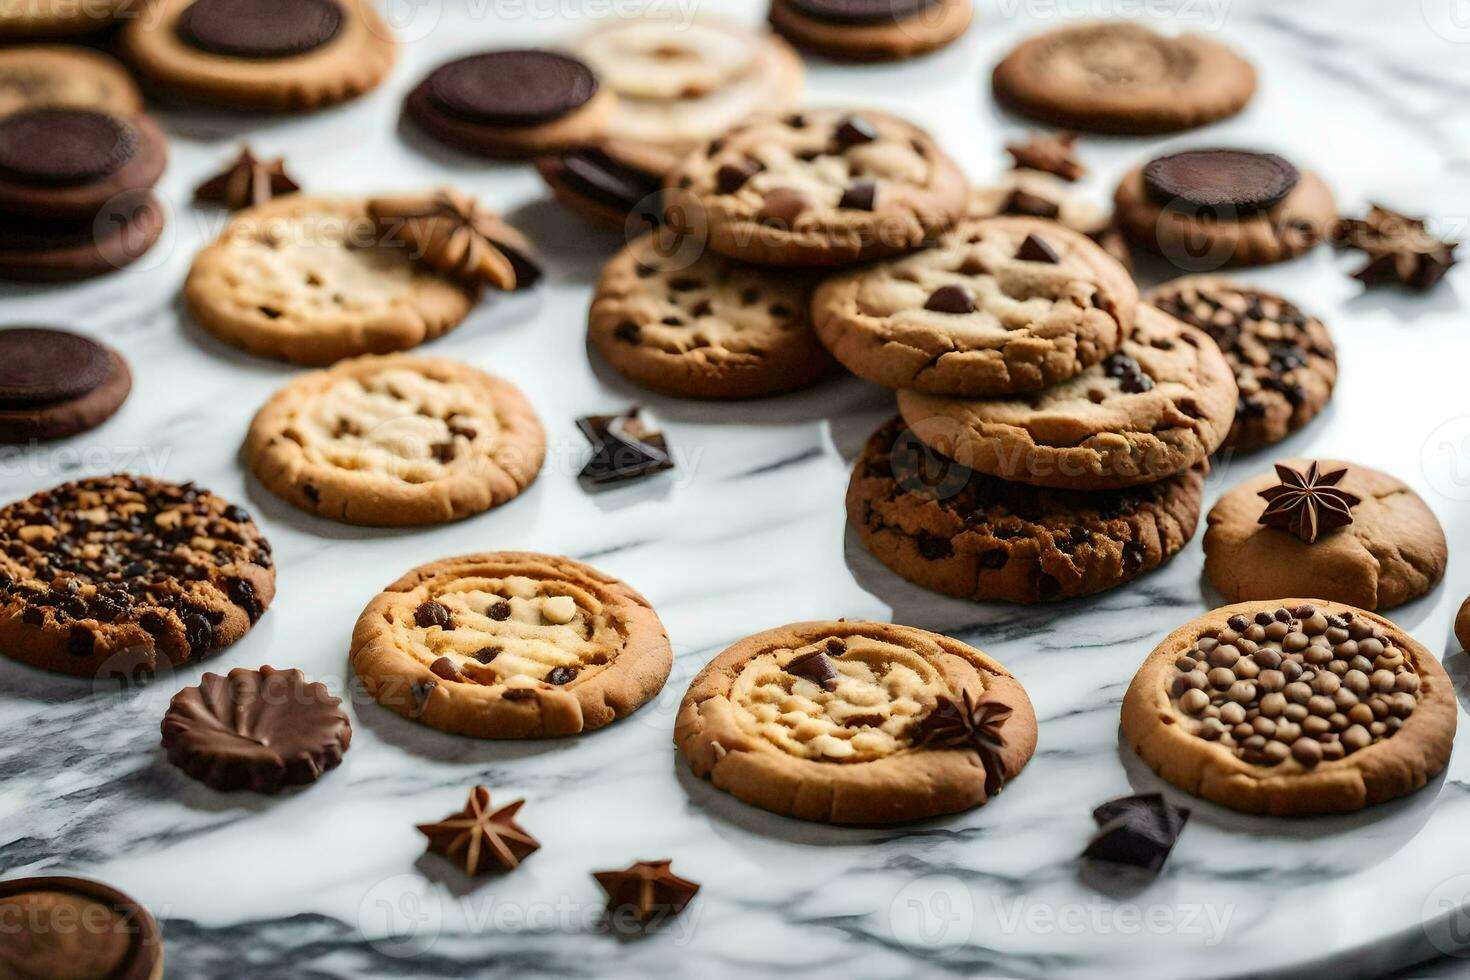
[(395, 441), (125, 574), (1393, 551), (820, 187), (312, 280), (980, 313), (836, 722), (1159, 405), (707, 329), (511, 645), (1284, 360), (952, 530)]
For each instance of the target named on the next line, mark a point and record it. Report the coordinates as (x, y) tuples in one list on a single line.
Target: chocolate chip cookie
[(55, 384), (710, 329), (511, 645), (820, 187), (1024, 192), (1159, 405), (1284, 360), (396, 441), (1204, 209), (121, 574), (1291, 707), (871, 30), (314, 280), (1375, 543), (849, 722), (1123, 77), (997, 306), (61, 75), (510, 104), (72, 927), (271, 55), (39, 18), (950, 529)]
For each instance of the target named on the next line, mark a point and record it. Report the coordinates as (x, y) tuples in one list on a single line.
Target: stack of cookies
[(1054, 430)]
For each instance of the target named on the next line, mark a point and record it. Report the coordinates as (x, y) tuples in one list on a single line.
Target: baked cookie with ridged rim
[(1284, 360), (998, 306), (962, 533), (819, 187), (65, 75), (708, 329), (1123, 77), (312, 280), (1392, 551), (1291, 707), (271, 55), (871, 30), (511, 645), (1203, 210), (850, 722), (125, 574), (1160, 404), (396, 441)]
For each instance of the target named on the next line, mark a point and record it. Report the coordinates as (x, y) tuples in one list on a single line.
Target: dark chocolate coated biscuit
[(512, 88), (259, 28), (40, 366), (1237, 179), (65, 250), (64, 146), (124, 574), (952, 530), (861, 11), (72, 927)]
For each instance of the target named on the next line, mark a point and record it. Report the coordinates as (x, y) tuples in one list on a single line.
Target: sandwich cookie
[(55, 384)]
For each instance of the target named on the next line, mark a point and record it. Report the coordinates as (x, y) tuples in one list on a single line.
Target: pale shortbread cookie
[(511, 645), (311, 280), (62, 75), (396, 440), (856, 723)]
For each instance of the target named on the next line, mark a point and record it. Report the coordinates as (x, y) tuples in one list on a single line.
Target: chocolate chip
[(836, 647), (817, 667), (431, 613), (994, 558), (312, 493), (445, 668), (1025, 203), (443, 451), (934, 548), (628, 332), (519, 694), (198, 633), (783, 206), (1047, 586), (954, 299), (1035, 249), (855, 131), (1128, 372), (499, 612), (860, 195), (733, 176), (80, 642), (486, 654), (242, 594), (561, 675), (32, 616)]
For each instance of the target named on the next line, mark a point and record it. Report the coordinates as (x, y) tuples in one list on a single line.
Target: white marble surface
[(330, 883)]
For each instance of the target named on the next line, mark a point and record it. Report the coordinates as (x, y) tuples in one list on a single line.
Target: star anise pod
[(1053, 153), (647, 890), (969, 724), (1306, 504), (452, 233), (247, 182), (1400, 249), (480, 838)]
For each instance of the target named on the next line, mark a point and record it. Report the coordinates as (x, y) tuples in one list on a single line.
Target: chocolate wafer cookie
[(54, 384)]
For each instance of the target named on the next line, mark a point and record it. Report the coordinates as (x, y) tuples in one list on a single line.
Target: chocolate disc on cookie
[(849, 722), (870, 30), (1292, 707), (956, 531), (55, 384), (122, 574), (862, 11), (259, 28), (64, 146), (1239, 180), (512, 88), (261, 730), (78, 929), (511, 645)]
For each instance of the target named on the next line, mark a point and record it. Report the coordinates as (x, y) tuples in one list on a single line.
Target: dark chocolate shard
[(624, 447), (1136, 833), (817, 667)]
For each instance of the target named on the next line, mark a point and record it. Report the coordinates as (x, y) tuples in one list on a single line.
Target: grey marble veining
[(331, 882)]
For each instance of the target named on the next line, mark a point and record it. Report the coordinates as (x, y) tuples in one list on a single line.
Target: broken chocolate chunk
[(431, 613), (953, 299), (1136, 833), (815, 666), (624, 447), (1036, 249)]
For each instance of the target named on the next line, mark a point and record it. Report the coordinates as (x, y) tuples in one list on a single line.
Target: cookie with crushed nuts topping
[(851, 722), (126, 574), (952, 530), (511, 645), (1284, 360), (1292, 707), (821, 187)]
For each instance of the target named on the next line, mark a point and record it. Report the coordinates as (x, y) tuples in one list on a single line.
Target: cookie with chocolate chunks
[(909, 725), (1028, 193), (511, 645), (962, 533), (871, 30), (75, 928), (1284, 360), (124, 574), (271, 55), (263, 730), (511, 103), (1292, 707), (610, 183), (54, 384)]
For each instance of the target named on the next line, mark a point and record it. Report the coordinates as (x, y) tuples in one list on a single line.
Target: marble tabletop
[(748, 534)]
